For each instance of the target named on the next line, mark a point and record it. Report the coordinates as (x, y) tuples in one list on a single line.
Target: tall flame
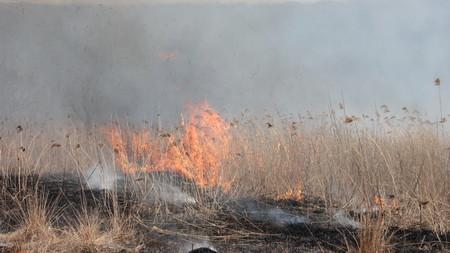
[(198, 155)]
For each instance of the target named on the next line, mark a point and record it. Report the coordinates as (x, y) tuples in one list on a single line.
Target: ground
[(237, 225)]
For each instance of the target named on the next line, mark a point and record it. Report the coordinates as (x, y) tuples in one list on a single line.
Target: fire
[(295, 193), (378, 200), (168, 55), (198, 155), (388, 202)]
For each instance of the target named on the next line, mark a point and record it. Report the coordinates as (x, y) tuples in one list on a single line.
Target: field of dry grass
[(387, 174)]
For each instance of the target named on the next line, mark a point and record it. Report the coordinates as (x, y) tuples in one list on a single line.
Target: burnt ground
[(243, 225), (234, 230)]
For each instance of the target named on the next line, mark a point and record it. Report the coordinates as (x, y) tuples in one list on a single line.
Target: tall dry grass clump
[(37, 230), (34, 232), (91, 233), (375, 237)]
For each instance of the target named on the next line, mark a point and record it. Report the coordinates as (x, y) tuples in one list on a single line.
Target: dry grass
[(375, 236), (350, 164), (37, 231), (88, 236), (343, 162)]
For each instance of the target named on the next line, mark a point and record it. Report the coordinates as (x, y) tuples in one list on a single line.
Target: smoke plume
[(94, 60)]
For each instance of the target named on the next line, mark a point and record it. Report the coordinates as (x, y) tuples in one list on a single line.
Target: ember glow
[(197, 154), (295, 193)]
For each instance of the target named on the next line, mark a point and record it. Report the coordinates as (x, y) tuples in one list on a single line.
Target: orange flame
[(295, 193), (198, 155), (389, 202), (168, 55), (378, 200)]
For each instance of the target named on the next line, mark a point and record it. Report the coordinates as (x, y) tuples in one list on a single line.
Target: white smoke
[(278, 217), (345, 220), (102, 178), (170, 194), (106, 178)]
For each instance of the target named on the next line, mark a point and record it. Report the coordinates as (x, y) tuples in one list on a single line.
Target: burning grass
[(246, 181), (196, 152)]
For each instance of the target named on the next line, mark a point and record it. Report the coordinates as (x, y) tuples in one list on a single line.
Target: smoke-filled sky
[(94, 59)]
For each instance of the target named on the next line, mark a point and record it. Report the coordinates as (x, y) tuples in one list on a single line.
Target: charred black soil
[(240, 225)]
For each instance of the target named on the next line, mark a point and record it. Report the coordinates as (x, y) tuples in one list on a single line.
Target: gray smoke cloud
[(128, 2), (136, 60)]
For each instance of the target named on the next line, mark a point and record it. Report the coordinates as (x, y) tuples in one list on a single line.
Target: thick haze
[(136, 60)]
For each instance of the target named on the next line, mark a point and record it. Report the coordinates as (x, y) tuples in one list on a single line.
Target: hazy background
[(139, 59)]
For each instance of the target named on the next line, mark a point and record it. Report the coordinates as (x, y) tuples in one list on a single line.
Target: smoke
[(278, 217), (172, 194), (345, 220), (273, 215), (122, 2), (102, 178), (106, 178), (98, 60)]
